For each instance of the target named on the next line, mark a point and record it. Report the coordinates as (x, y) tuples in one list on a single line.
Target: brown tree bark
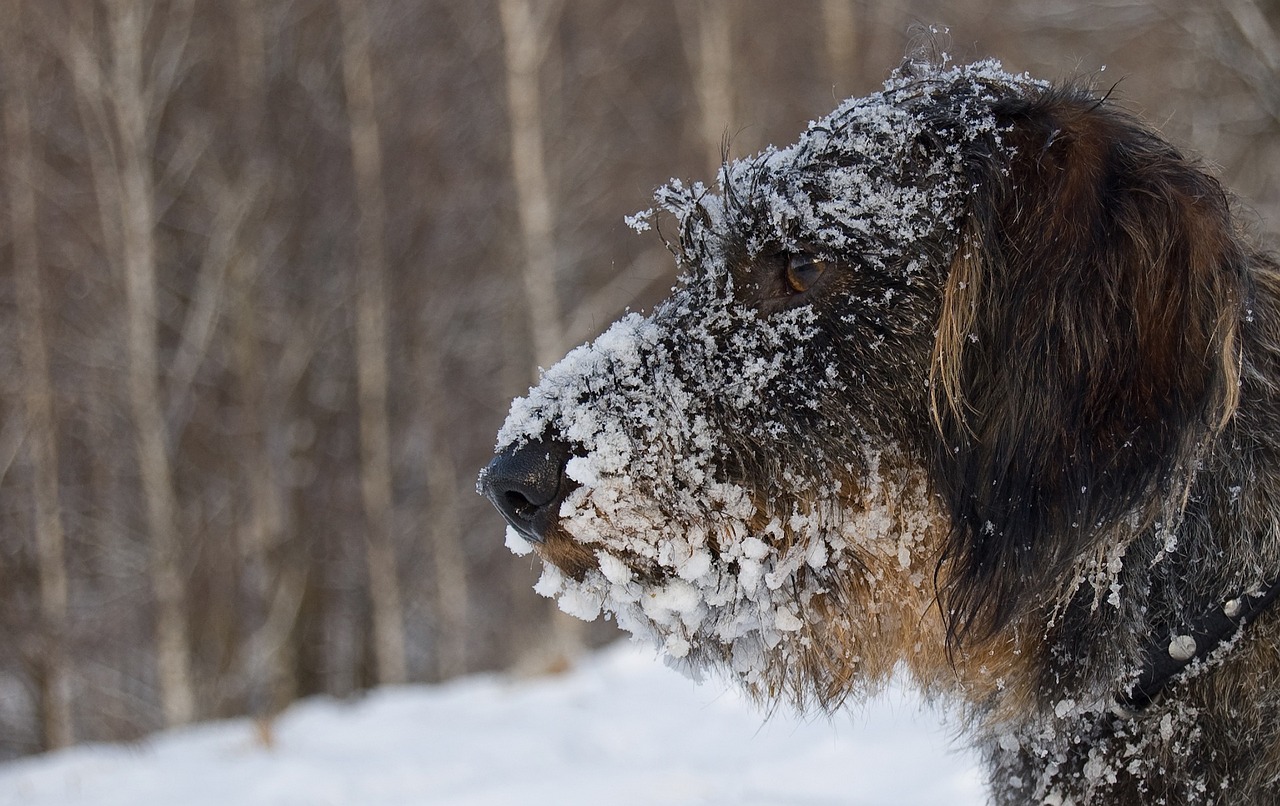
[(53, 671), (524, 43), (131, 99), (524, 48), (840, 36), (371, 347), (266, 658), (707, 28), (444, 530)]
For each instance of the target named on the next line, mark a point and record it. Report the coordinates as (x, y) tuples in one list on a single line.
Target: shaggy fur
[(979, 378)]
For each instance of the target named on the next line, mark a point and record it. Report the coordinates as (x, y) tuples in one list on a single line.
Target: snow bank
[(621, 729)]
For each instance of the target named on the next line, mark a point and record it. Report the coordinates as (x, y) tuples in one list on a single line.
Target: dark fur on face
[(979, 377)]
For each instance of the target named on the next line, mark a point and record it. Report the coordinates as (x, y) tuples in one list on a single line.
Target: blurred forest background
[(271, 271)]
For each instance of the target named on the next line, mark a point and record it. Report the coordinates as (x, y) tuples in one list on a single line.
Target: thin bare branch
[(1256, 30), (171, 61), (92, 97), (232, 207)]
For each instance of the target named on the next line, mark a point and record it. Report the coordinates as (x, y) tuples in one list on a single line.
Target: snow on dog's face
[(730, 476)]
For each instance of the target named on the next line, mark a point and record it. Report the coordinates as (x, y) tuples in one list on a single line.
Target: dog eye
[(803, 272)]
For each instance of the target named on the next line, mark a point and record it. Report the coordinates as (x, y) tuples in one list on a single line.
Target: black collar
[(1166, 656)]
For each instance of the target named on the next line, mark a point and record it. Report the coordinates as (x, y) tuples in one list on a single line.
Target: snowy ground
[(621, 729)]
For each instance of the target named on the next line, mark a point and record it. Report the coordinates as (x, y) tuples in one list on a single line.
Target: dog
[(979, 379)]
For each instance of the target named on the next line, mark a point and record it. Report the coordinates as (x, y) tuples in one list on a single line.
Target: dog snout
[(527, 484)]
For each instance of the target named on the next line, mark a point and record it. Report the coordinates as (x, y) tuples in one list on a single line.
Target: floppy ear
[(1086, 350)]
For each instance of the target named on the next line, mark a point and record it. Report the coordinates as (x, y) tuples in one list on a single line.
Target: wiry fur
[(1008, 441)]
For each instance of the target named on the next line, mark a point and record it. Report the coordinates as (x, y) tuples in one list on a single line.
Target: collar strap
[(1164, 659)]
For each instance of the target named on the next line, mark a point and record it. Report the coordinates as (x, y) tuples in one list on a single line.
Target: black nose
[(527, 484)]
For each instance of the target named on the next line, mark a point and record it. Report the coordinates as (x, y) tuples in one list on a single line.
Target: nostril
[(521, 506), (526, 484)]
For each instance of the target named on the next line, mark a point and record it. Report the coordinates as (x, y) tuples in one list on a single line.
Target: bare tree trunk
[(524, 43), (444, 530), (278, 582), (267, 657), (708, 35), (371, 347), (449, 564), (53, 672), (130, 104), (524, 48), (840, 34)]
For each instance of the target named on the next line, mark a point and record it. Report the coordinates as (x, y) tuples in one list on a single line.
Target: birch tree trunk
[(524, 50), (840, 35), (130, 103), (53, 666), (707, 27), (371, 347), (267, 657), (444, 530), (524, 43)]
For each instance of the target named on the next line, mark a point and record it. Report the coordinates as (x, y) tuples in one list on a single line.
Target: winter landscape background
[(271, 273)]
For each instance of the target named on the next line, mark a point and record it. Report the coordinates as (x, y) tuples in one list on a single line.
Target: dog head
[(929, 353)]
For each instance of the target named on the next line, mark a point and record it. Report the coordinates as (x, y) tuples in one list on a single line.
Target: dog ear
[(1085, 354)]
